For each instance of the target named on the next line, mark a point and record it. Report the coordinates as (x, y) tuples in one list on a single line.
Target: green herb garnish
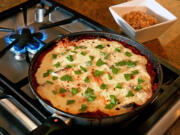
[(114, 70), (130, 94), (113, 102), (127, 76), (66, 78), (138, 87), (83, 53), (70, 66), (98, 73), (140, 80), (121, 63), (89, 93), (74, 51), (119, 86), (54, 78), (54, 92), (103, 86), (77, 72), (54, 56), (49, 71), (83, 108), (100, 47), (86, 80), (57, 65), (128, 54), (74, 91), (109, 77), (134, 72), (62, 90), (118, 49), (70, 58), (83, 68), (49, 82), (70, 102), (91, 58), (130, 63), (100, 63)]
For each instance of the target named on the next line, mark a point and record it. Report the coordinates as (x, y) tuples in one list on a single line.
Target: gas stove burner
[(25, 41)]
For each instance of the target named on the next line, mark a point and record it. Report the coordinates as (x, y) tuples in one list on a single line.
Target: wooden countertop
[(6, 4), (167, 46)]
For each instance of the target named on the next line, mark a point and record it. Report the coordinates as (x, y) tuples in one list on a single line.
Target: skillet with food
[(95, 78)]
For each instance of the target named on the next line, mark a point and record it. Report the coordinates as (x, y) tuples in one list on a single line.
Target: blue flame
[(30, 48)]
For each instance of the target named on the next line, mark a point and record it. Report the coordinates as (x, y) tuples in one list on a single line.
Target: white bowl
[(151, 7)]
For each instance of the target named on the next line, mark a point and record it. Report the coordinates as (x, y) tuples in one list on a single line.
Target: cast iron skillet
[(87, 121)]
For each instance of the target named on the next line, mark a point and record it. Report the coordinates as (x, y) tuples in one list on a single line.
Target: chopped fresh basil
[(109, 77), (118, 49), (86, 80), (82, 47), (113, 99), (77, 72), (138, 87), (100, 62), (74, 91), (100, 46), (83, 69), (106, 55), (74, 51), (70, 102), (54, 92), (49, 71), (57, 65), (76, 47), (49, 82), (130, 63), (121, 63), (89, 93), (103, 86), (70, 58), (119, 86), (83, 108), (54, 56), (134, 72), (66, 78), (70, 66), (88, 63), (127, 76), (83, 53), (113, 102), (91, 58), (128, 54), (98, 73), (54, 78), (109, 106), (140, 80), (130, 94), (91, 98), (114, 70), (62, 90)]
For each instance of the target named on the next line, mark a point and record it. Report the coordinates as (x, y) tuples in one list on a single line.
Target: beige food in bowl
[(139, 19)]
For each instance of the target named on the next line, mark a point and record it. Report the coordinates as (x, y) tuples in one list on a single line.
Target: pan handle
[(52, 126)]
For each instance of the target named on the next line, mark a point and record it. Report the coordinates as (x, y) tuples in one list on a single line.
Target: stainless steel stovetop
[(16, 71)]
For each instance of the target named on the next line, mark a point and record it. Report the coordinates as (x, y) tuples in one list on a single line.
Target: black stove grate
[(169, 93)]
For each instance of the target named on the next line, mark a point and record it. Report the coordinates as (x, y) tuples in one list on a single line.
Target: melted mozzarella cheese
[(51, 91)]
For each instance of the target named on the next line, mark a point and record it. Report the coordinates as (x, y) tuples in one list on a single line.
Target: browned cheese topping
[(91, 75)]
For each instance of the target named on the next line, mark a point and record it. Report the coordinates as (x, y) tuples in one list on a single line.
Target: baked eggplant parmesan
[(94, 75)]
